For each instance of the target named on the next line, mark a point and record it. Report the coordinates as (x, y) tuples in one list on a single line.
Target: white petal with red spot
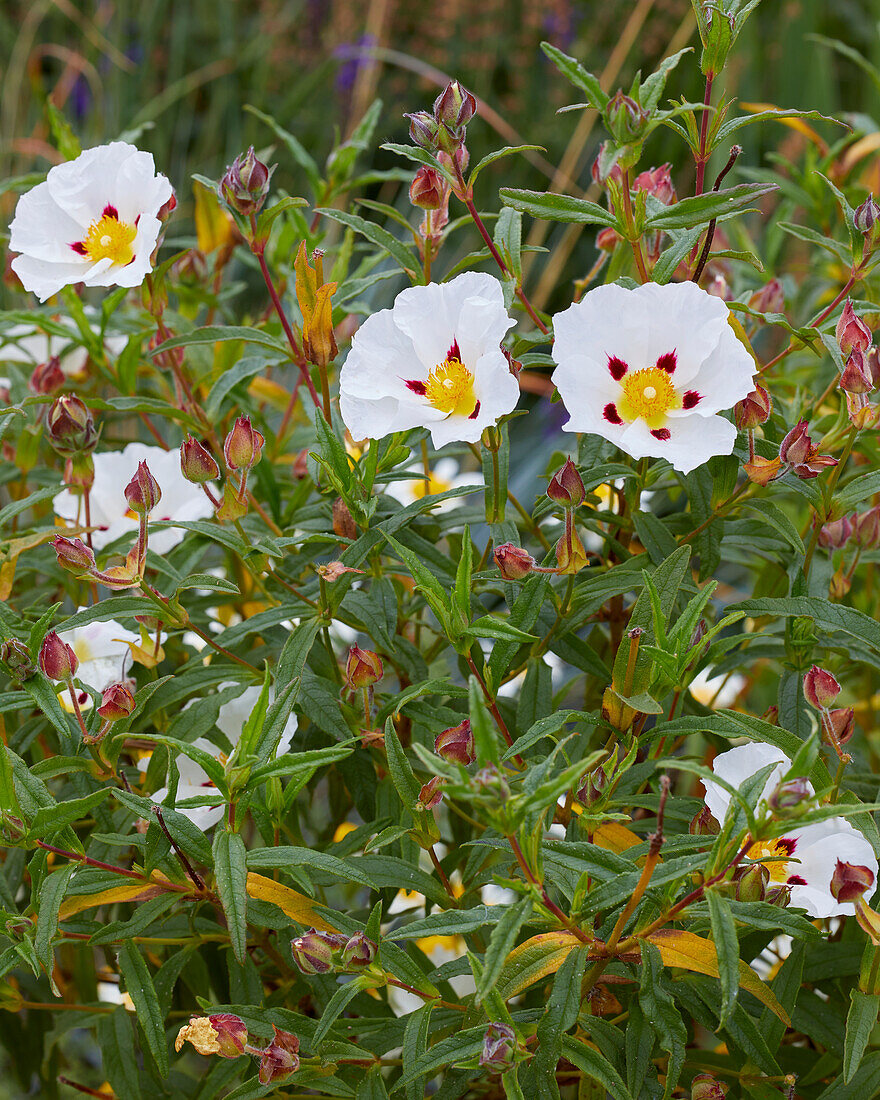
[(55, 228), (433, 360), (650, 368)]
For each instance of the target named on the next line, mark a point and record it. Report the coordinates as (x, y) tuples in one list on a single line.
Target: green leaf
[(828, 616), (51, 819), (557, 208), (774, 517), (139, 985), (562, 1013), (501, 943), (860, 1021), (212, 334), (415, 1046), (230, 872), (402, 776), (488, 626), (245, 368), (734, 124), (701, 209), (572, 70), (52, 891), (116, 1043), (727, 947), (292, 144), (595, 1065), (377, 235), (507, 151), (660, 1009), (336, 1006)]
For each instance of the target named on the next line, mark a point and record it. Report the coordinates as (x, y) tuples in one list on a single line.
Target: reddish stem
[(702, 159)]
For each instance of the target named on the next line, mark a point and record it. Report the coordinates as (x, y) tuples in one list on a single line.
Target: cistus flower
[(431, 361), (805, 858), (109, 510), (197, 464), (852, 332), (754, 409), (94, 220), (820, 688), (513, 562), (245, 183), (566, 486), (280, 1058), (457, 744), (315, 952), (799, 454), (363, 668), (499, 1047), (223, 1033), (650, 369), (57, 660)]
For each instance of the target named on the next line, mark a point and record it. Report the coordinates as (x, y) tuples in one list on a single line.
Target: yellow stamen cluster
[(110, 239), (450, 388), (648, 395), (775, 856)]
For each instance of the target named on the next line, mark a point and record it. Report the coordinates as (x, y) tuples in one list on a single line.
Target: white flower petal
[(693, 440), (44, 278), (818, 848), (736, 766)]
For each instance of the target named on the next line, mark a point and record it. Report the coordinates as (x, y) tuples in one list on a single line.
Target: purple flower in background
[(354, 56)]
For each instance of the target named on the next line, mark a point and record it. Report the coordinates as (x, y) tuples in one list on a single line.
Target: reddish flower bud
[(74, 556), (47, 377), (750, 882), (566, 487), (513, 562), (865, 217), (197, 463), (314, 952), (719, 287), (835, 534), (167, 207), (455, 106), (232, 1034), (706, 1087), (866, 529), (592, 787), (770, 298), (363, 668), (70, 426), (789, 795), (838, 725), (852, 332), (17, 658), (423, 130), (343, 521), (57, 659), (280, 1058), (431, 794), (607, 239), (457, 744), (246, 183), (820, 688), (499, 1047), (856, 377), (850, 881), (428, 189), (117, 702), (244, 445), (605, 165), (797, 451), (358, 952), (143, 492), (754, 410), (704, 824), (657, 182), (778, 894), (872, 361)]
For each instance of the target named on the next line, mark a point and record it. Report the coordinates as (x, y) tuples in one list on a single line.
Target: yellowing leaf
[(860, 149), (306, 282), (614, 837), (214, 227), (793, 123), (533, 960), (14, 547), (135, 892), (693, 953), (737, 327), (297, 906), (264, 389)]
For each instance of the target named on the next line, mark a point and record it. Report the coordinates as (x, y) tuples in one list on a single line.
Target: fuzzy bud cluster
[(16, 656), (499, 1048), (443, 130), (323, 952)]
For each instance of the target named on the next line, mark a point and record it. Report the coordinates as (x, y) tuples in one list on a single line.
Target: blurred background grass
[(182, 72)]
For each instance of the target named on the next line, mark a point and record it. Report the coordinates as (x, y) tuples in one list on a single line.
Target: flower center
[(430, 487), (775, 855), (110, 239), (648, 394), (450, 388)]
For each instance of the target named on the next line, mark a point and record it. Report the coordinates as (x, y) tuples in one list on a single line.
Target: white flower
[(650, 368), (432, 361), (102, 650), (194, 781), (93, 220), (443, 477), (717, 692), (31, 346), (804, 858), (181, 500)]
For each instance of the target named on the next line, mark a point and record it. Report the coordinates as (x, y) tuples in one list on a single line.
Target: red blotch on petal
[(611, 414), (787, 844), (79, 248), (416, 387), (616, 367), (453, 352), (662, 434), (476, 412), (111, 212), (668, 362), (796, 880), (691, 399)]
